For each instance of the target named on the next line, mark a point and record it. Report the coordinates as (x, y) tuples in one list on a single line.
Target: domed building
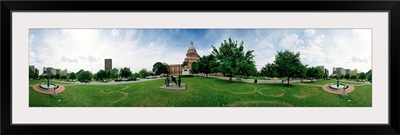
[(184, 68)]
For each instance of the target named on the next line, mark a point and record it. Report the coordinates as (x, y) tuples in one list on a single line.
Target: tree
[(143, 73), (31, 73), (362, 76), (195, 68), (125, 72), (369, 75), (353, 77), (314, 73), (64, 77), (287, 64), (57, 76), (136, 75), (353, 72), (339, 75), (269, 70), (160, 68), (232, 59), (113, 73), (101, 74), (302, 72), (72, 76), (347, 76), (84, 75), (332, 76), (206, 65)]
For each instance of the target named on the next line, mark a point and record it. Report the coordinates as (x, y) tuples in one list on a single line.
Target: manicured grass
[(200, 92), (323, 82)]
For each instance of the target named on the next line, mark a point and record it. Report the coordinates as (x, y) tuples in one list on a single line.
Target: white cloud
[(309, 32), (115, 32), (291, 41)]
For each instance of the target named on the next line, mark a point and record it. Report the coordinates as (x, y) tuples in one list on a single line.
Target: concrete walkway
[(272, 81), (111, 82)]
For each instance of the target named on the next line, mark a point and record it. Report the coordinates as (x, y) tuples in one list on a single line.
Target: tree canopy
[(232, 58), (269, 70), (206, 64), (101, 74), (287, 64), (160, 68), (125, 72)]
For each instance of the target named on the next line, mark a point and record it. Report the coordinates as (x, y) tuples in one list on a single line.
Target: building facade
[(107, 64), (182, 69)]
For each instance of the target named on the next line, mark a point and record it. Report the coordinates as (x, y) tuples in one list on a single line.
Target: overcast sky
[(76, 49)]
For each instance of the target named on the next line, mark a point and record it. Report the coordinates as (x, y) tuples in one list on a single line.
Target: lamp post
[(48, 82), (337, 82)]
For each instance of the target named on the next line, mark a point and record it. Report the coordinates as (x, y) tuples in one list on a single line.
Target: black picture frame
[(392, 7)]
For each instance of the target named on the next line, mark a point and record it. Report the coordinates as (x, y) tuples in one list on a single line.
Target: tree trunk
[(301, 80), (288, 81), (230, 79), (206, 75)]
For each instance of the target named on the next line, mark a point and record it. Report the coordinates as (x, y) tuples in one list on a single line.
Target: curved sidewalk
[(327, 89), (40, 90)]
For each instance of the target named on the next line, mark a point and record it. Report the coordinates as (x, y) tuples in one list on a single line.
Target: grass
[(200, 92)]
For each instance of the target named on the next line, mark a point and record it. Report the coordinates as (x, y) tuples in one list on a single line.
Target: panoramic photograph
[(132, 67)]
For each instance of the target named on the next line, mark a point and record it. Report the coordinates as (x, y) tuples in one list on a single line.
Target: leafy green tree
[(135, 75), (369, 75), (347, 76), (314, 73), (206, 65), (57, 76), (339, 75), (332, 76), (113, 73), (125, 72), (195, 68), (232, 59), (31, 73), (64, 77), (353, 77), (84, 75), (302, 72), (269, 70), (362, 76), (35, 76), (143, 73), (160, 68), (72, 76), (101, 75), (287, 64)]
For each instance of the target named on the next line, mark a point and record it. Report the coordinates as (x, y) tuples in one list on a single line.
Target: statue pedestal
[(185, 71)]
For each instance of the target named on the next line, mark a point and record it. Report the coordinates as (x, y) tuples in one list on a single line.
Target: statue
[(167, 80), (179, 81), (174, 79)]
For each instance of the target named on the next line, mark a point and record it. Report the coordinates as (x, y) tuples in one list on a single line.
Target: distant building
[(339, 70), (334, 70), (37, 71), (64, 72), (184, 68), (347, 71), (107, 64), (327, 72)]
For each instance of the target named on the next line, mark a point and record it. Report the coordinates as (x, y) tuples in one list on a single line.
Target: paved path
[(109, 83), (278, 81), (49, 91), (327, 89)]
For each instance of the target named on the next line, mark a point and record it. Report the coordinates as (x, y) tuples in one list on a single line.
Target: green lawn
[(200, 92)]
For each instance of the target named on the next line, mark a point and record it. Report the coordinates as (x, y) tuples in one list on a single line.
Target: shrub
[(187, 75)]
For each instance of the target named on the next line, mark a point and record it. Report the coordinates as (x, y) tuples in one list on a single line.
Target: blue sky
[(76, 49)]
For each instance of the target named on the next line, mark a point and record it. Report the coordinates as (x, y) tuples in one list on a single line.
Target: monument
[(177, 86), (184, 68)]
